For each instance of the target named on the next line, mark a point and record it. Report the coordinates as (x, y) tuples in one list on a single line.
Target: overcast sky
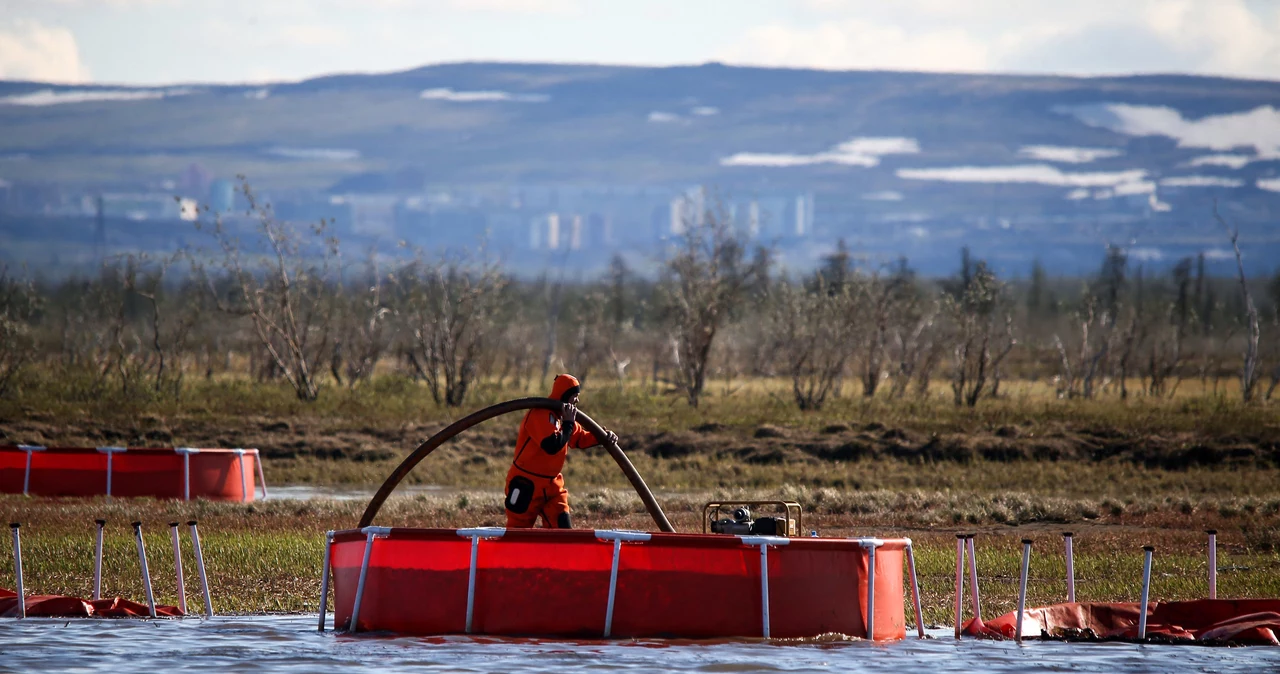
[(167, 41)]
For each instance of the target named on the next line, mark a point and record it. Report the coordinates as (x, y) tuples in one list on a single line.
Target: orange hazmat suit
[(535, 486)]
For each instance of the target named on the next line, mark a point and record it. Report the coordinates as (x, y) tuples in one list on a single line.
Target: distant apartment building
[(569, 231), (761, 216)]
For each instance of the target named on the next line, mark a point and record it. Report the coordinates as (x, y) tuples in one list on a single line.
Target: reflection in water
[(290, 644)]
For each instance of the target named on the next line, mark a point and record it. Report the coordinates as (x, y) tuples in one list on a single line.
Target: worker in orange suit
[(535, 486)]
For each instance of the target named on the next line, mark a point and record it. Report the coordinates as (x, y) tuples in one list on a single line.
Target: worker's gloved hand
[(613, 437), (568, 416)]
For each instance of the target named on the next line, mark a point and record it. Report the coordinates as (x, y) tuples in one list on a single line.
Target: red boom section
[(534, 582), (216, 474)]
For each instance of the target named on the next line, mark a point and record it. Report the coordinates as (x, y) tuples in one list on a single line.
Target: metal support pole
[(1071, 568), (959, 582), (177, 566), (915, 588), (262, 479), (1146, 590), (146, 573), (1022, 587), (973, 579), (617, 537), (17, 569), (204, 579), (244, 481), (324, 578), (764, 586), (97, 560), (110, 452), (186, 453), (1213, 563), (26, 476), (471, 581), (370, 533), (871, 592), (613, 587)]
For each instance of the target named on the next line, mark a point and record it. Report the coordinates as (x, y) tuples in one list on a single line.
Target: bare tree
[(981, 334), (1164, 356), (362, 326), (286, 293), (810, 330), (1251, 370), (452, 310), (1097, 340), (913, 350), (1132, 338), (703, 283), (880, 300), (590, 335), (168, 324)]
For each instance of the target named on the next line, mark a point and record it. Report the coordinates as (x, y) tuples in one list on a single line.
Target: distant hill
[(892, 147)]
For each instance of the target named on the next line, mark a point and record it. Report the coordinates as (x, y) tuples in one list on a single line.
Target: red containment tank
[(172, 473), (592, 584)]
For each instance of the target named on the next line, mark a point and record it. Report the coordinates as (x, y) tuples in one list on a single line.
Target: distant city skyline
[(188, 41)]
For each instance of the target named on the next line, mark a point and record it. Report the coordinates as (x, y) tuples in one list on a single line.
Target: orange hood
[(564, 384)]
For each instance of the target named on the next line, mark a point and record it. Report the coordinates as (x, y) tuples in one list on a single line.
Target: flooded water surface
[(291, 644)]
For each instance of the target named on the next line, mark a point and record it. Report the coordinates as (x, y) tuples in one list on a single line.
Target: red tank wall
[(82, 471), (556, 583)]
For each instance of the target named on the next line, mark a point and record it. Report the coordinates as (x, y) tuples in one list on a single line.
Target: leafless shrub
[(810, 326), (1082, 365), (362, 326), (286, 293), (1251, 369), (703, 282), (914, 350), (451, 310), (168, 324), (981, 334), (589, 338), (882, 304)]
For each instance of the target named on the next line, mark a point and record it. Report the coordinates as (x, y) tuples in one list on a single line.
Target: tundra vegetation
[(1123, 401)]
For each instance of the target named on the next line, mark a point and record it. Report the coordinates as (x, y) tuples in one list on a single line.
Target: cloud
[(1041, 174), (30, 50), (661, 117), (865, 152), (51, 97), (314, 35), (517, 6), (1067, 155), (1269, 184), (1258, 128), (859, 44), (491, 6), (1082, 37), (446, 94), (315, 153), (1200, 181), (1224, 35), (1234, 161)]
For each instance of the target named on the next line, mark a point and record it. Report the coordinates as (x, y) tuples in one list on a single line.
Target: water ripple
[(287, 644)]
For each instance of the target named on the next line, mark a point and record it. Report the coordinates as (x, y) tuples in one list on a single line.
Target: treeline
[(290, 307)]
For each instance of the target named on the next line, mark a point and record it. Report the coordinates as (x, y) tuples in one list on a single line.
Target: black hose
[(650, 503)]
